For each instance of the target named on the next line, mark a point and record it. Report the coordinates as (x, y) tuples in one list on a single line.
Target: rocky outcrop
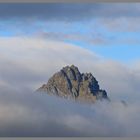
[(71, 84)]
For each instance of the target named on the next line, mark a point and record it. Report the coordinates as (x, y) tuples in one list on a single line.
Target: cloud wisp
[(101, 23)]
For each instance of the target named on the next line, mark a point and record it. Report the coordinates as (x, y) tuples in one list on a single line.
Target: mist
[(28, 113), (26, 64)]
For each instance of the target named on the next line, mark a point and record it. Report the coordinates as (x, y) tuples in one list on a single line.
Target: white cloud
[(23, 58), (26, 64), (29, 62), (34, 114)]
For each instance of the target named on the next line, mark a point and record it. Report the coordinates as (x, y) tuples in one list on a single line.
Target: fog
[(35, 114), (26, 64)]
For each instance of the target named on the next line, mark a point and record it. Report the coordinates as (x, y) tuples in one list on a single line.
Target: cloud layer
[(68, 11), (27, 63), (30, 62), (26, 113)]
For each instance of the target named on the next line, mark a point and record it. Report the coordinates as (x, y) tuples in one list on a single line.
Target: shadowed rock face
[(70, 83)]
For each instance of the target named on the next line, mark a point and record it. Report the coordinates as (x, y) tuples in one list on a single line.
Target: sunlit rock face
[(71, 84)]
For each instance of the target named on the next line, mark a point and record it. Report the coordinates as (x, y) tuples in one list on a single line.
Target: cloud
[(69, 11), (30, 59), (45, 11), (27, 63), (99, 31), (91, 38), (120, 24), (35, 114), (90, 24)]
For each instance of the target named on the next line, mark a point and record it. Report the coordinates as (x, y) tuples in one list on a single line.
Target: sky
[(37, 40), (109, 29)]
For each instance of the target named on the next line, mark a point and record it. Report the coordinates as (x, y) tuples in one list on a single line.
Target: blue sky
[(110, 30)]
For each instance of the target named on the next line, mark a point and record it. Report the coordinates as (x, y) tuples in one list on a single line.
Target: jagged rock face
[(70, 83)]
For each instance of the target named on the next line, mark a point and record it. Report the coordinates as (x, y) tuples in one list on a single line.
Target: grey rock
[(71, 84)]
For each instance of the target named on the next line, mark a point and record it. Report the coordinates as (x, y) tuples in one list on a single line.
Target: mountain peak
[(70, 83)]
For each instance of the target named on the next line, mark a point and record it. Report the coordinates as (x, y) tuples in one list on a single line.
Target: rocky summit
[(71, 84)]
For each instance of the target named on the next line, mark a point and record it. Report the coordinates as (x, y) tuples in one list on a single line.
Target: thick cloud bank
[(28, 63), (33, 114)]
